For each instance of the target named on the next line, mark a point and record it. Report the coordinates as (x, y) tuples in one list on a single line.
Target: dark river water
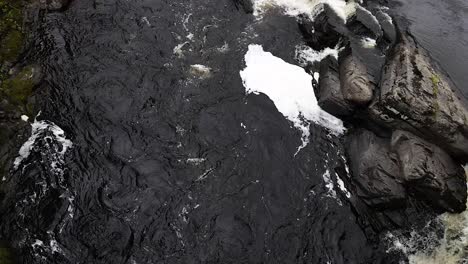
[(158, 164)]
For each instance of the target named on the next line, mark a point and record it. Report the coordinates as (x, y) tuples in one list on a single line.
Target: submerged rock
[(355, 81), (430, 172), (416, 96), (328, 93), (375, 170)]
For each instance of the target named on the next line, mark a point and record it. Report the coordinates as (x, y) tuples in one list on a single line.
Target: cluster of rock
[(409, 134)]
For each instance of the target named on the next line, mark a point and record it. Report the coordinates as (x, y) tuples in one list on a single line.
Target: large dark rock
[(388, 28), (326, 30), (430, 172), (417, 97), (356, 83), (368, 20), (375, 170), (329, 95)]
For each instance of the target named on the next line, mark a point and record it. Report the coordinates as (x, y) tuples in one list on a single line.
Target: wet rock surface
[(415, 96), (329, 93), (430, 172), (369, 21), (376, 170), (356, 86)]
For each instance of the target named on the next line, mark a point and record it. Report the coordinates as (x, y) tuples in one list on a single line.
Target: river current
[(149, 149)]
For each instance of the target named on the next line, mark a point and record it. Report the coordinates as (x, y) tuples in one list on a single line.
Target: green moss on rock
[(19, 88), (11, 32), (435, 79), (11, 46), (435, 84)]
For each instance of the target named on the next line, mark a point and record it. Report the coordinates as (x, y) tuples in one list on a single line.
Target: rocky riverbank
[(408, 136)]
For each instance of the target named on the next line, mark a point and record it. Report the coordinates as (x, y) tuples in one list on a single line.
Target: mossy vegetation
[(11, 46), (20, 87), (15, 88), (11, 31), (435, 79)]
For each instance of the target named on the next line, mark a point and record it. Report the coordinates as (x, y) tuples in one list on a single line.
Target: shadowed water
[(164, 158), (167, 164)]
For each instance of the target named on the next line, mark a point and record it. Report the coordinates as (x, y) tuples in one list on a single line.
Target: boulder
[(430, 172), (375, 170), (415, 96), (329, 95), (356, 83), (326, 30), (366, 18), (388, 28)]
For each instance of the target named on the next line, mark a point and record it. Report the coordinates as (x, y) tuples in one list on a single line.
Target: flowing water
[(148, 149)]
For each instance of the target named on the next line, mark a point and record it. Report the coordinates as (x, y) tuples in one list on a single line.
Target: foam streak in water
[(308, 7), (38, 128), (290, 88)]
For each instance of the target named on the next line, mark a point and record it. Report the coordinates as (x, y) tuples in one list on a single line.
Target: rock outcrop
[(388, 29), (416, 97), (430, 172), (356, 86), (375, 170), (324, 31), (329, 94), (369, 21), (411, 96), (386, 171)]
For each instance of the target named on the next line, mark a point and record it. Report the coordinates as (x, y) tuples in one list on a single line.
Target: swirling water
[(152, 152)]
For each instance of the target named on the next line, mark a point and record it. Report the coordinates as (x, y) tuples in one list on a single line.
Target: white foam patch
[(179, 49), (309, 7), (330, 186), (201, 71), (306, 55), (195, 161), (342, 186), (290, 89), (37, 129)]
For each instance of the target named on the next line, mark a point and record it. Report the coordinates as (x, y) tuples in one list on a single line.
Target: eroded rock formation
[(423, 155), (415, 96), (375, 170)]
